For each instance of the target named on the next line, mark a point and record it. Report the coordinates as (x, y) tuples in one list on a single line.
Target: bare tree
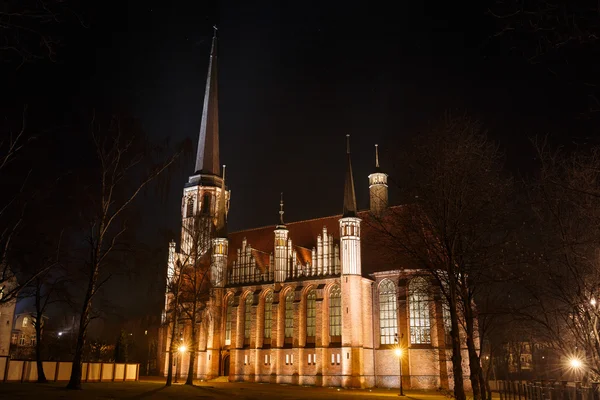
[(122, 176), (565, 296), (455, 227)]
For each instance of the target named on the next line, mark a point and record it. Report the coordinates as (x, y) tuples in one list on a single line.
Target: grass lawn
[(203, 390)]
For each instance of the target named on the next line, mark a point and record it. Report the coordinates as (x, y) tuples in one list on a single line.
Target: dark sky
[(294, 80)]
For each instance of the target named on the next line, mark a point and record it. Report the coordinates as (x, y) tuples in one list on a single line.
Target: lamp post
[(178, 358), (399, 354)]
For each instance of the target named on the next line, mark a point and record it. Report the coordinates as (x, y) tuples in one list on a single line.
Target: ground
[(203, 390)]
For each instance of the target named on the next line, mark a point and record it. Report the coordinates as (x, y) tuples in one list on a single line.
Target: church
[(293, 303)]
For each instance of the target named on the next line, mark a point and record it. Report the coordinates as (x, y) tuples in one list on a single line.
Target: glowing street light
[(182, 348), (398, 352), (575, 363)]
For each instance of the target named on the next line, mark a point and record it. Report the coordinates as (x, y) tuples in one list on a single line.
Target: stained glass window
[(420, 321), (289, 315), (311, 313), (335, 312), (388, 312)]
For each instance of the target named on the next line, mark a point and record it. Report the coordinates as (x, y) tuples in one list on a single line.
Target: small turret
[(378, 188), (281, 247)]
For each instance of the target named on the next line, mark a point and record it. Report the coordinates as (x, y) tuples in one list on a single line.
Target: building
[(23, 336), (312, 302), (7, 314)]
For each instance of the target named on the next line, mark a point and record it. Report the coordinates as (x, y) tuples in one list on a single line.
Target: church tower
[(378, 188), (281, 247), (205, 199), (351, 284)]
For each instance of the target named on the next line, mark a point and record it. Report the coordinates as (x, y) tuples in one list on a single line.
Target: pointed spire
[(377, 156), (349, 195), (207, 157), (221, 230), (281, 211)]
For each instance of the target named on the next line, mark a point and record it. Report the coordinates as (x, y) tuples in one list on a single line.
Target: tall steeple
[(221, 225), (207, 157), (349, 195)]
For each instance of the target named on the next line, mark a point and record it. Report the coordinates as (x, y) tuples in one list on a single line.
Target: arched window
[(189, 212), (420, 322), (388, 312), (228, 320), (248, 317), (311, 313), (289, 315), (335, 312), (206, 204), (268, 309)]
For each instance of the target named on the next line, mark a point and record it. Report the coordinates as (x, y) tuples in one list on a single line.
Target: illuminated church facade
[(291, 303)]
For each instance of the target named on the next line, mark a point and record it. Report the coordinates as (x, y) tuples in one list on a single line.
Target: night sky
[(294, 79)]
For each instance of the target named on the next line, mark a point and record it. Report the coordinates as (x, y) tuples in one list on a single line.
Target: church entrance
[(225, 371)]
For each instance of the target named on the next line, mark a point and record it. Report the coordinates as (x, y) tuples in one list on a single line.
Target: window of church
[(335, 312), (14, 338), (420, 321), (22, 340), (388, 313), (25, 321), (289, 315), (248, 317), (268, 309), (228, 319), (447, 320), (189, 212), (206, 204), (311, 313)]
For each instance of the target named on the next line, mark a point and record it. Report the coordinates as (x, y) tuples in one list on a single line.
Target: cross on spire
[(281, 210), (376, 156), (349, 194)]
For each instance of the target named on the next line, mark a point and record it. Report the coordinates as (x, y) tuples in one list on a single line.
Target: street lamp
[(182, 348), (398, 353)]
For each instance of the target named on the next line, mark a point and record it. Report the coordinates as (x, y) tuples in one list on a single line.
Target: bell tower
[(378, 188)]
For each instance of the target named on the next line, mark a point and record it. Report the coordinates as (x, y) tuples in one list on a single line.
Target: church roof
[(376, 256)]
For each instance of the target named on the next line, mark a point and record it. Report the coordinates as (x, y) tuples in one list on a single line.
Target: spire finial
[(281, 210), (376, 156), (347, 143), (349, 196), (224, 166), (215, 29)]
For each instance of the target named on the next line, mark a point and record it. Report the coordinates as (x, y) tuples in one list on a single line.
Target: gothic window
[(289, 315), (189, 212), (335, 312), (388, 315), (248, 317), (206, 204), (14, 338), (268, 310), (25, 322), (228, 319), (447, 320), (22, 340), (420, 322), (32, 341), (311, 313)]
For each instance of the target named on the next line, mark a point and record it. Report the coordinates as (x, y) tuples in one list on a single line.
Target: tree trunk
[(38, 348), (459, 389), (192, 365), (172, 348), (39, 315), (75, 380), (476, 373)]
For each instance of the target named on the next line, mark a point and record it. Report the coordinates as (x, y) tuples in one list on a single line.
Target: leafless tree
[(561, 35), (565, 296), (455, 226), (122, 175)]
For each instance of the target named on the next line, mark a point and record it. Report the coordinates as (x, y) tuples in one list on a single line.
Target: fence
[(26, 371), (547, 390)]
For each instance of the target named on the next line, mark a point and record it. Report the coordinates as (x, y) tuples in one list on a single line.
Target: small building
[(7, 314)]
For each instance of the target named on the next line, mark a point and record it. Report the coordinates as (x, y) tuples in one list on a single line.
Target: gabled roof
[(376, 256)]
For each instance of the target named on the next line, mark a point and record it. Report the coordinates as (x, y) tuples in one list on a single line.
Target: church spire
[(207, 157), (349, 195)]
